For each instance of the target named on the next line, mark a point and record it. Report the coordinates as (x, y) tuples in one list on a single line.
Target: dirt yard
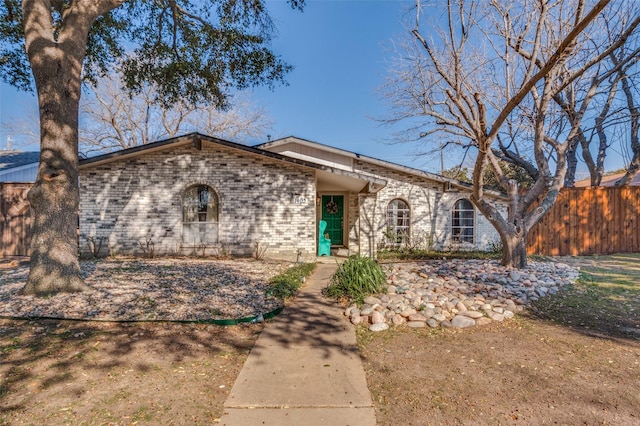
[(72, 373), (520, 372), (573, 359)]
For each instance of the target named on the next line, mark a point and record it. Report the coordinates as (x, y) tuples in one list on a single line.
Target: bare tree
[(111, 119), (606, 94), (488, 77), (630, 85)]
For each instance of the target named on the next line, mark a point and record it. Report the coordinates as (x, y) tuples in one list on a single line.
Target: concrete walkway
[(304, 369)]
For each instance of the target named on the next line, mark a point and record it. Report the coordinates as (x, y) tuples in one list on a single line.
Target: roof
[(17, 166), (196, 139), (609, 180), (264, 150), (410, 170), (14, 159)]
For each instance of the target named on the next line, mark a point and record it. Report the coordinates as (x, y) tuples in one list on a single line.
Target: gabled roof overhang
[(368, 183), (448, 183)]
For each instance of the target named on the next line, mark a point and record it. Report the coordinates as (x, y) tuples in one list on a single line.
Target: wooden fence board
[(621, 240), (15, 219), (628, 220), (589, 221), (588, 246), (598, 213), (579, 222)]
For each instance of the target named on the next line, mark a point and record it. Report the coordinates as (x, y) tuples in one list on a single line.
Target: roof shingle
[(12, 159)]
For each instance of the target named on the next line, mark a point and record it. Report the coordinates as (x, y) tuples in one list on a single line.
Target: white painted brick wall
[(431, 208), (134, 200)]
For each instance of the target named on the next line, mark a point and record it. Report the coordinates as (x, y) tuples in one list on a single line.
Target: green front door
[(333, 214)]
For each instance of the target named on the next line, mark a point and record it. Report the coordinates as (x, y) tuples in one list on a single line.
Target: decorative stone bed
[(454, 293), (458, 293), (167, 289)]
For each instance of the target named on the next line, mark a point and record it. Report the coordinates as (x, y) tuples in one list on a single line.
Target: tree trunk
[(634, 113), (514, 249), (56, 66), (55, 196)]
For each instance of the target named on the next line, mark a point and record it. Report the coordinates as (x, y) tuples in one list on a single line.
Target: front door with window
[(333, 214)]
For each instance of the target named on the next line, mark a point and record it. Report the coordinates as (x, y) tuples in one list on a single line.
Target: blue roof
[(12, 159)]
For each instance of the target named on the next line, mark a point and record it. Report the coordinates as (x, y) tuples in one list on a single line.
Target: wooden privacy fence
[(15, 219), (587, 221)]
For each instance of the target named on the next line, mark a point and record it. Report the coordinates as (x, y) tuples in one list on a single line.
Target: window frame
[(392, 219), (208, 211), (459, 231)]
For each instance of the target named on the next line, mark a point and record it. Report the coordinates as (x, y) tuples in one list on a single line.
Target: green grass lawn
[(605, 300)]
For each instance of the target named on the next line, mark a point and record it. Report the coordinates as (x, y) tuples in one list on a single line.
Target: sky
[(340, 50)]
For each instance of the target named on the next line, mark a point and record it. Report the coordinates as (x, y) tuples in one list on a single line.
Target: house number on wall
[(300, 200)]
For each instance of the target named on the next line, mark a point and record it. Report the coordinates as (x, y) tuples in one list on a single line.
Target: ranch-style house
[(199, 194)]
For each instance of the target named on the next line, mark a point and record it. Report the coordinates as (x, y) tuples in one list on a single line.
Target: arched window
[(398, 219), (463, 222), (199, 216), (200, 204)]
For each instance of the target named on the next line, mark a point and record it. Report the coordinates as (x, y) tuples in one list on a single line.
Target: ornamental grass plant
[(357, 278)]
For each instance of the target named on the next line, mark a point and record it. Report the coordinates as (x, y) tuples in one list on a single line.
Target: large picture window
[(398, 220), (199, 216), (462, 227)]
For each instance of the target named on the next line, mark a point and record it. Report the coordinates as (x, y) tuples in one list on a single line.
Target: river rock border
[(458, 293)]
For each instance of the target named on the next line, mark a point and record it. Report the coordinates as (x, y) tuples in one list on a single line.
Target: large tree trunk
[(513, 230), (514, 249), (56, 66), (55, 196)]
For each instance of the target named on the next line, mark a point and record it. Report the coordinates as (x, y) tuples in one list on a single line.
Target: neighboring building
[(17, 173), (17, 166), (609, 180), (199, 194)]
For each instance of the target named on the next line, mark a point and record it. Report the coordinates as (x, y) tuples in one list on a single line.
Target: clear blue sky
[(340, 50)]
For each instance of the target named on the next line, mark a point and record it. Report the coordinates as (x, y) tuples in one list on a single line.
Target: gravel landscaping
[(458, 293), (438, 293), (182, 289)]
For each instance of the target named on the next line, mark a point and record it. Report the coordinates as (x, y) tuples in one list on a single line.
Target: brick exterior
[(133, 203), (431, 204)]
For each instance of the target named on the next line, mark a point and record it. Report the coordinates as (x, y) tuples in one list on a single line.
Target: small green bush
[(357, 278), (288, 283), (386, 256)]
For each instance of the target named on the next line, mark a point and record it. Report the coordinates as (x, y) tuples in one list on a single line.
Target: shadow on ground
[(80, 372), (605, 302)]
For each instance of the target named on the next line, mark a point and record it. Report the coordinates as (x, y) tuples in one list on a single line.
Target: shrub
[(386, 256), (495, 246), (357, 278), (288, 283)]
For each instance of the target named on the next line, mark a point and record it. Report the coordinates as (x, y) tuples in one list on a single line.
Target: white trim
[(19, 168), (416, 172)]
